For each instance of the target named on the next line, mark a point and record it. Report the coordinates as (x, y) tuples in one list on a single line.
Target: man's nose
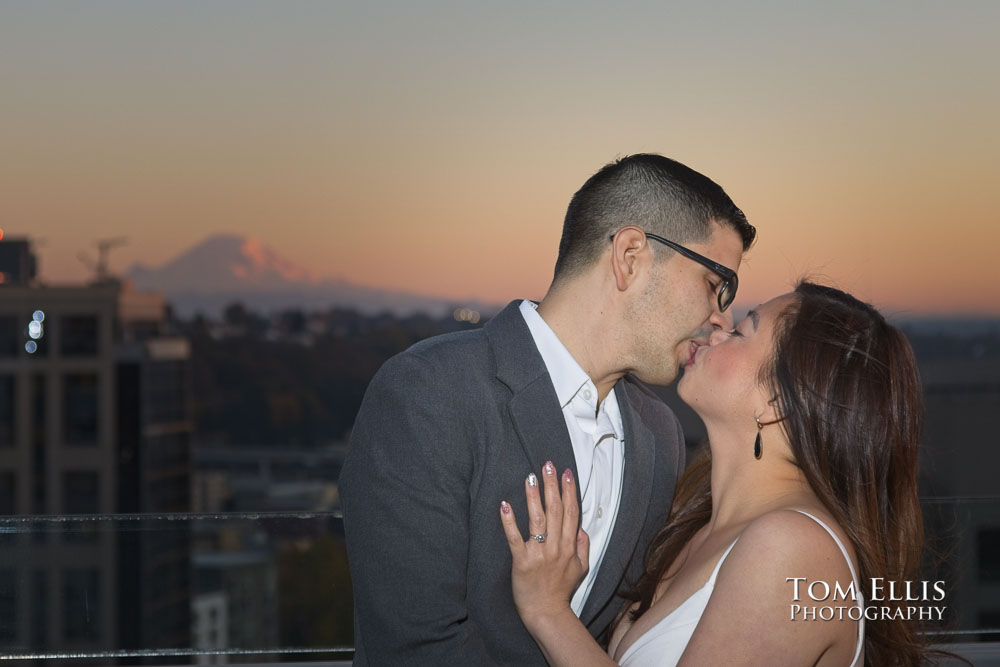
[(722, 321)]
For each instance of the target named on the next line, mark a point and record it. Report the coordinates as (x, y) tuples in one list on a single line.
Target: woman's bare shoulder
[(758, 581), (780, 554), (789, 536)]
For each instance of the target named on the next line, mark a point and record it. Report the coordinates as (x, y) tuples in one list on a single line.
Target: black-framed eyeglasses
[(730, 282)]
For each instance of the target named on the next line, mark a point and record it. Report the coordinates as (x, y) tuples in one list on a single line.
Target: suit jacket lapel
[(637, 487), (541, 428), (534, 408)]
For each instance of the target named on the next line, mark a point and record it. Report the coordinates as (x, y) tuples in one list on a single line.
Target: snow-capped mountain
[(225, 268), (223, 262)]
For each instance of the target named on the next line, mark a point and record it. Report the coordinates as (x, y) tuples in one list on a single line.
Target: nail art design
[(532, 480), (568, 476), (504, 507), (549, 468)]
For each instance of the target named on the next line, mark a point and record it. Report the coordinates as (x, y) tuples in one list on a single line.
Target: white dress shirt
[(598, 445)]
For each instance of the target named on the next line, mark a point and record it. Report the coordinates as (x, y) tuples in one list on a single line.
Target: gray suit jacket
[(446, 431)]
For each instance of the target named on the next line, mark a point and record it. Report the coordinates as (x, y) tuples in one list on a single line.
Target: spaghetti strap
[(665, 642), (854, 578), (718, 566)]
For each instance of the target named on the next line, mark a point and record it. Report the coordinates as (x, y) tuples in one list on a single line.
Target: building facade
[(94, 405)]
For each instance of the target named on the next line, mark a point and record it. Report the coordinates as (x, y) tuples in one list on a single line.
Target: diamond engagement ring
[(539, 538)]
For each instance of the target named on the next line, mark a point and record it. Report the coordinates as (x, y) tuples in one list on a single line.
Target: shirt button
[(600, 512), (586, 394)]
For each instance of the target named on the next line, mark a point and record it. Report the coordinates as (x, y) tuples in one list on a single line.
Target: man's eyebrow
[(755, 318)]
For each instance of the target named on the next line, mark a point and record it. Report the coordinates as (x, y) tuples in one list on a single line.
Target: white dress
[(663, 644)]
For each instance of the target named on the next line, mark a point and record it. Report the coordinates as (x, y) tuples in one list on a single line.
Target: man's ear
[(629, 247)]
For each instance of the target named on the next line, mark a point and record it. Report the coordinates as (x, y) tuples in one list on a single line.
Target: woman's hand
[(549, 566)]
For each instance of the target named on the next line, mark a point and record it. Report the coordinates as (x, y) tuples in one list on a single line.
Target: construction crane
[(100, 267)]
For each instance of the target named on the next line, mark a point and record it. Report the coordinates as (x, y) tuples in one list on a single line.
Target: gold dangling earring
[(757, 450)]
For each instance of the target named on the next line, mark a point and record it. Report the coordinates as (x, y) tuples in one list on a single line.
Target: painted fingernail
[(568, 476), (504, 507), (549, 468), (532, 480)]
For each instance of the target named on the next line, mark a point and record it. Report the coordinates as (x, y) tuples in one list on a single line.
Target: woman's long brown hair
[(847, 385)]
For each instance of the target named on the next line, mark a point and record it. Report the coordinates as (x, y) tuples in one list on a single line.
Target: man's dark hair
[(650, 191)]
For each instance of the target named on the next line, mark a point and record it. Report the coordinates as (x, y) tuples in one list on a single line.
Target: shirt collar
[(568, 377)]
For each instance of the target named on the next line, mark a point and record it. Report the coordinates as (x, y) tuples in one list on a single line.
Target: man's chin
[(663, 377)]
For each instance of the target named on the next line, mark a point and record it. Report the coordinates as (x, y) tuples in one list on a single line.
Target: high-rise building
[(18, 265), (94, 403), (154, 476)]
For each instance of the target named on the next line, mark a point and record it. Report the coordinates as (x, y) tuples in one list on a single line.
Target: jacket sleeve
[(406, 503)]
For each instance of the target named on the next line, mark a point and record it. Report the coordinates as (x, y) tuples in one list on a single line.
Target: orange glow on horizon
[(442, 161)]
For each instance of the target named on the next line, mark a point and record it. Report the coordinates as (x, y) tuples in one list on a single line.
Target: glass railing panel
[(175, 589), (273, 587), (963, 551)]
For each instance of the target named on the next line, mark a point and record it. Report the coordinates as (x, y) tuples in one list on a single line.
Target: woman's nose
[(717, 336)]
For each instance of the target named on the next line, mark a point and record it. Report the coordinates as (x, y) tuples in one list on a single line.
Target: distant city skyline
[(433, 148)]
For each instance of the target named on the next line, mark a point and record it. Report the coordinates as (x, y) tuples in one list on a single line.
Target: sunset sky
[(434, 146)]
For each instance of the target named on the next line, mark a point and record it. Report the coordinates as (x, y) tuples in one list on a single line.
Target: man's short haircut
[(650, 191)]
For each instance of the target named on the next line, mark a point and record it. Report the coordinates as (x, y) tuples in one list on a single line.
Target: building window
[(10, 338), (81, 492), (39, 438), (8, 606), (80, 409), (40, 609), (81, 495), (8, 410), (8, 505), (989, 554), (81, 605), (167, 391), (8, 494), (79, 336)]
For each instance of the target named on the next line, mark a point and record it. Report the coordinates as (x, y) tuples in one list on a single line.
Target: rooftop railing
[(274, 587)]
